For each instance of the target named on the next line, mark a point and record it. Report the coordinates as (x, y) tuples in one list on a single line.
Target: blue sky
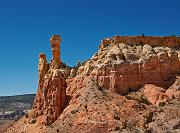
[(26, 26)]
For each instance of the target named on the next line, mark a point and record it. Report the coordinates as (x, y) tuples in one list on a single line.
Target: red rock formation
[(55, 47), (136, 40), (95, 105), (42, 69), (174, 90), (155, 94), (123, 67), (51, 96)]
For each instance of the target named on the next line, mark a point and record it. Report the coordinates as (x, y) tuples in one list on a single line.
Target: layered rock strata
[(122, 67), (168, 41), (141, 70), (51, 97)]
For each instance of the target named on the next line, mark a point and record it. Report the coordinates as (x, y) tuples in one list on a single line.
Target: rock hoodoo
[(51, 97), (55, 47)]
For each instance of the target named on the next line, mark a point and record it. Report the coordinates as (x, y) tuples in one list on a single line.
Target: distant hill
[(17, 102), (13, 108)]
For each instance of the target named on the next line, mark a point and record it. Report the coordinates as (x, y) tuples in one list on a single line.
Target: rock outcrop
[(168, 41), (159, 96), (51, 97), (122, 67), (94, 109), (155, 95), (130, 85), (55, 44), (174, 90)]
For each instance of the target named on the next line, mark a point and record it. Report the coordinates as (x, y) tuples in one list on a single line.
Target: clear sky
[(26, 26)]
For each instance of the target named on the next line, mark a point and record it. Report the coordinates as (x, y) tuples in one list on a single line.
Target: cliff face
[(51, 97), (171, 42), (130, 85), (122, 67)]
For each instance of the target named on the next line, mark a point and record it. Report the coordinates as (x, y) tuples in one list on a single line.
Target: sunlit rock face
[(124, 64), (121, 65), (55, 41), (51, 96), (130, 85)]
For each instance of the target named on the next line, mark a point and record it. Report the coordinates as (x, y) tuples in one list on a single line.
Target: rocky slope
[(130, 85)]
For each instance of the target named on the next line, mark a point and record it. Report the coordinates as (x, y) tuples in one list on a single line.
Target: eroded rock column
[(51, 98), (42, 68), (55, 41)]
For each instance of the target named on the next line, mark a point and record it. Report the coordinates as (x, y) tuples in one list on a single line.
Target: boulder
[(155, 95)]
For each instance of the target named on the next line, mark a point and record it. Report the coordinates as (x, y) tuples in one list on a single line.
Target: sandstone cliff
[(130, 85), (122, 67)]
